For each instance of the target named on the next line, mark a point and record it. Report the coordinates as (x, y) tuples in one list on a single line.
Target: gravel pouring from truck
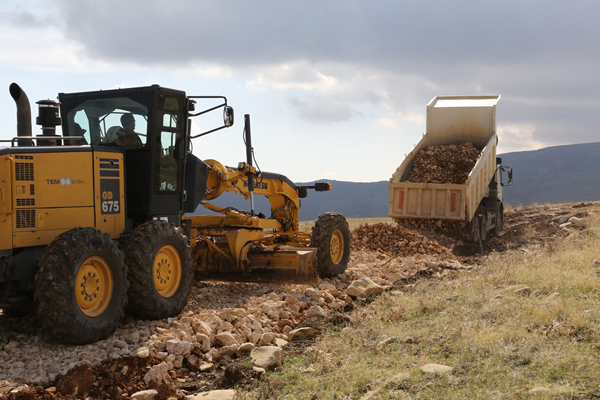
[(455, 120)]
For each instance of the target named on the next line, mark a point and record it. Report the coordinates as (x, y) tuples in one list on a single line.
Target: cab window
[(118, 121), (167, 164)]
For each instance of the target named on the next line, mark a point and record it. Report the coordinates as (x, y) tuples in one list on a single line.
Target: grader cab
[(101, 218)]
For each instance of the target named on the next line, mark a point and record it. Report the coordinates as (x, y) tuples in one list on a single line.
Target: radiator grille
[(25, 202), (32, 189), (24, 171), (22, 157), (25, 219)]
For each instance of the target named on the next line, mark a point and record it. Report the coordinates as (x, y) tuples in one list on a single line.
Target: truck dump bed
[(450, 120)]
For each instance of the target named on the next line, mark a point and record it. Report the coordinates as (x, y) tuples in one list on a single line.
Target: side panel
[(458, 119), (52, 192), (427, 200), (6, 202), (481, 176), (109, 201), (54, 179)]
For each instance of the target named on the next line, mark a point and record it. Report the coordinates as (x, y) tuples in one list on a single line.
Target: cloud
[(388, 123), (35, 16), (296, 75), (335, 60), (333, 106), (405, 35), (517, 138), (320, 109)]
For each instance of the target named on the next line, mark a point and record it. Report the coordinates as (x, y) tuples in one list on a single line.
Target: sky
[(336, 89)]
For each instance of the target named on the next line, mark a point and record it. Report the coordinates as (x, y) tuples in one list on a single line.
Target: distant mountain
[(352, 199), (556, 174)]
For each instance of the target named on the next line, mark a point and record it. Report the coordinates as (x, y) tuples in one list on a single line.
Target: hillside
[(555, 174)]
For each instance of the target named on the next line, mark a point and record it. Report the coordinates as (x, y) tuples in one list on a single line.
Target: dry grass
[(501, 344)]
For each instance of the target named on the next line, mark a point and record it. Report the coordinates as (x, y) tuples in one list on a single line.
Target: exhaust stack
[(23, 114)]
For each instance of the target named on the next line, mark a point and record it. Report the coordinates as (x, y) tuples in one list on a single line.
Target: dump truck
[(101, 218), (478, 202)]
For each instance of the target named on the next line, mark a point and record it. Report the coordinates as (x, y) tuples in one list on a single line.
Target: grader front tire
[(160, 270), (81, 286), (331, 237)]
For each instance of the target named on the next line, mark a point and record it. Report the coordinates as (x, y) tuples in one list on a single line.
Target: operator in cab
[(126, 136)]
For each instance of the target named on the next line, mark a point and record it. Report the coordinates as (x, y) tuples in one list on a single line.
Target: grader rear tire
[(160, 270), (81, 287), (331, 237)]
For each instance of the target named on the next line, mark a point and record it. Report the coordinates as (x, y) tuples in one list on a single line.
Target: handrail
[(12, 171), (42, 137)]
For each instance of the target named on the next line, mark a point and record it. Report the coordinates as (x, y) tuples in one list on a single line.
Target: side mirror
[(228, 116), (180, 149), (510, 175)]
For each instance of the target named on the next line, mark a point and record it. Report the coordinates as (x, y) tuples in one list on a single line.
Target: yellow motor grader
[(101, 218)]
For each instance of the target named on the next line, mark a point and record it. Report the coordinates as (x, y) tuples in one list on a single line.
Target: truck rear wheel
[(499, 219), (477, 229), (160, 270), (331, 237), (81, 286)]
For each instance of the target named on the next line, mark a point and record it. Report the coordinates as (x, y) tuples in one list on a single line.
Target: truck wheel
[(477, 226), (160, 270), (499, 220), (331, 237), (81, 286), (483, 228)]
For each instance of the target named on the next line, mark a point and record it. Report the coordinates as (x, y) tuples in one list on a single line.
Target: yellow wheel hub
[(94, 286), (167, 271), (336, 246)]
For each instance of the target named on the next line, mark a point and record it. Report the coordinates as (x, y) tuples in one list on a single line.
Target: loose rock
[(267, 357), (157, 374), (444, 164), (436, 368), (363, 288), (77, 382), (149, 394), (316, 312), (302, 334), (178, 347), (213, 395)]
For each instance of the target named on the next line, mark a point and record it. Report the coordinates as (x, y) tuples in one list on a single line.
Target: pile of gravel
[(444, 164)]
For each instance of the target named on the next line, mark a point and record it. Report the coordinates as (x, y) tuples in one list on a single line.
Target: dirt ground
[(523, 227)]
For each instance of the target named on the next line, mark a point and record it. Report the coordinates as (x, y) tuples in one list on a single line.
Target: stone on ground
[(363, 288), (267, 357), (436, 368), (302, 334), (77, 382), (157, 374), (149, 394), (213, 395)]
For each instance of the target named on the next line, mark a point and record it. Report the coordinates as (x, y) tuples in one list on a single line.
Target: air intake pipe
[(23, 114)]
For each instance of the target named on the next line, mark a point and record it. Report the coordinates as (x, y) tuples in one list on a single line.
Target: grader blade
[(271, 266)]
